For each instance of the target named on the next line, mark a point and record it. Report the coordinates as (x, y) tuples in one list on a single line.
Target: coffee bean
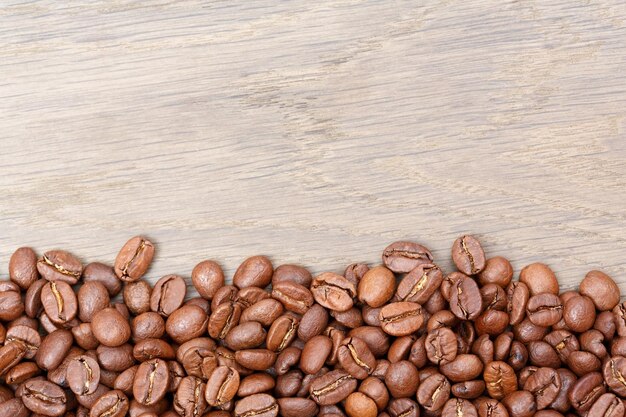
[(498, 270), (264, 311), (255, 271), (256, 384), (256, 359), (293, 296), (59, 265), (21, 372), (586, 391), (83, 375), (207, 277), (151, 381), (59, 301), (402, 379), (186, 323), (117, 358), (103, 274), (168, 295), (441, 346), (403, 407), (355, 357), (374, 337), (403, 256), (500, 379), (282, 332), (489, 407), (545, 385), (313, 322), (134, 259), (465, 299), (53, 349), (292, 273), (257, 405), (400, 348), (468, 390), (433, 392), (11, 305), (44, 397), (375, 389), (360, 405), (315, 353), (110, 327), (601, 289), (456, 407), (189, 398), (420, 284), (92, 297), (332, 387), (540, 279), (124, 381), (112, 404), (607, 405), (468, 255), (26, 336), (520, 404), (23, 267), (579, 313), (544, 309), (583, 362), (401, 318), (137, 296), (298, 407), (333, 291), (463, 368), (376, 287), (517, 295), (614, 371)]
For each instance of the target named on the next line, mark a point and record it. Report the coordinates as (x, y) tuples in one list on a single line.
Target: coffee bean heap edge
[(400, 339)]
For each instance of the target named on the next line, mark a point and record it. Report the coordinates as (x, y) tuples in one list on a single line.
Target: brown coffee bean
[(518, 355), (103, 274), (282, 332), (601, 289), (540, 279), (579, 313), (520, 404), (151, 381), (168, 295), (563, 342), (257, 405), (59, 301), (286, 359), (544, 309), (456, 407), (583, 362), (375, 338), (26, 336), (110, 327), (463, 368), (420, 284), (586, 391), (222, 319), (540, 353), (376, 287), (526, 331), (400, 348), (256, 384), (44, 397), (355, 357), (23, 267), (14, 407), (256, 359), (207, 277), (614, 371), (315, 353), (134, 259), (498, 270), (468, 255), (189, 399), (124, 381), (255, 271), (288, 384), (332, 387), (402, 379), (518, 295), (403, 407), (196, 355), (148, 349), (375, 389), (137, 296), (21, 372), (92, 297), (448, 282), (492, 322), (488, 407), (292, 273), (186, 323), (112, 404), (59, 265), (483, 347), (433, 392), (500, 379), (294, 297), (333, 291), (53, 349), (465, 299), (32, 299), (561, 403), (468, 390), (149, 325), (607, 405), (313, 322), (298, 407), (226, 294), (494, 297), (115, 359), (360, 405), (441, 346), (593, 341), (264, 311), (436, 302), (83, 375), (351, 318), (545, 385), (246, 335), (403, 256), (401, 318)]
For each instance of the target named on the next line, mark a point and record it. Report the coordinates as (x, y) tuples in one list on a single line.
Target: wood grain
[(315, 132)]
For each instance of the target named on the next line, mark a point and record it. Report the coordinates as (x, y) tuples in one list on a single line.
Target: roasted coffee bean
[(468, 390), (255, 359), (492, 322), (124, 381), (563, 342), (44, 397), (376, 287), (226, 294), (419, 284), (21, 372), (207, 277), (468, 255), (351, 318), (222, 386), (26, 336), (520, 404), (223, 318), (137, 296), (441, 346), (463, 368), (583, 362), (288, 384), (488, 407), (498, 270), (151, 381), (186, 323), (294, 297), (540, 354), (402, 379), (255, 271), (544, 309), (112, 404), (103, 274), (400, 349), (401, 318), (298, 407), (149, 325), (256, 384), (257, 405), (332, 387), (433, 392), (92, 297), (494, 297), (593, 341), (403, 407), (110, 327), (265, 312), (355, 357), (313, 322), (403, 256), (465, 299), (84, 337), (586, 391), (189, 399), (282, 332), (246, 335), (168, 295), (561, 402), (251, 295), (517, 295), (500, 379), (607, 405), (614, 372), (483, 347), (459, 407), (59, 302), (14, 407), (360, 405), (539, 278), (83, 375), (32, 299), (134, 259), (292, 273), (315, 353), (59, 265), (436, 302), (601, 289), (53, 349), (333, 291), (147, 349), (23, 267), (526, 331), (375, 389), (286, 359), (545, 385), (579, 313), (117, 358)]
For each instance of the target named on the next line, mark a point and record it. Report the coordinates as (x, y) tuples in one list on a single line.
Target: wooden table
[(315, 132)]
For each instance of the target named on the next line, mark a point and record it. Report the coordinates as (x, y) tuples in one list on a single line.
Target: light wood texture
[(315, 131)]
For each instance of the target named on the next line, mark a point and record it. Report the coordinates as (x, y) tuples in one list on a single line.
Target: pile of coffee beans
[(399, 339)]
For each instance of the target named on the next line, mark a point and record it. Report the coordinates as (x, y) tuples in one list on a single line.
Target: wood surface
[(316, 132)]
